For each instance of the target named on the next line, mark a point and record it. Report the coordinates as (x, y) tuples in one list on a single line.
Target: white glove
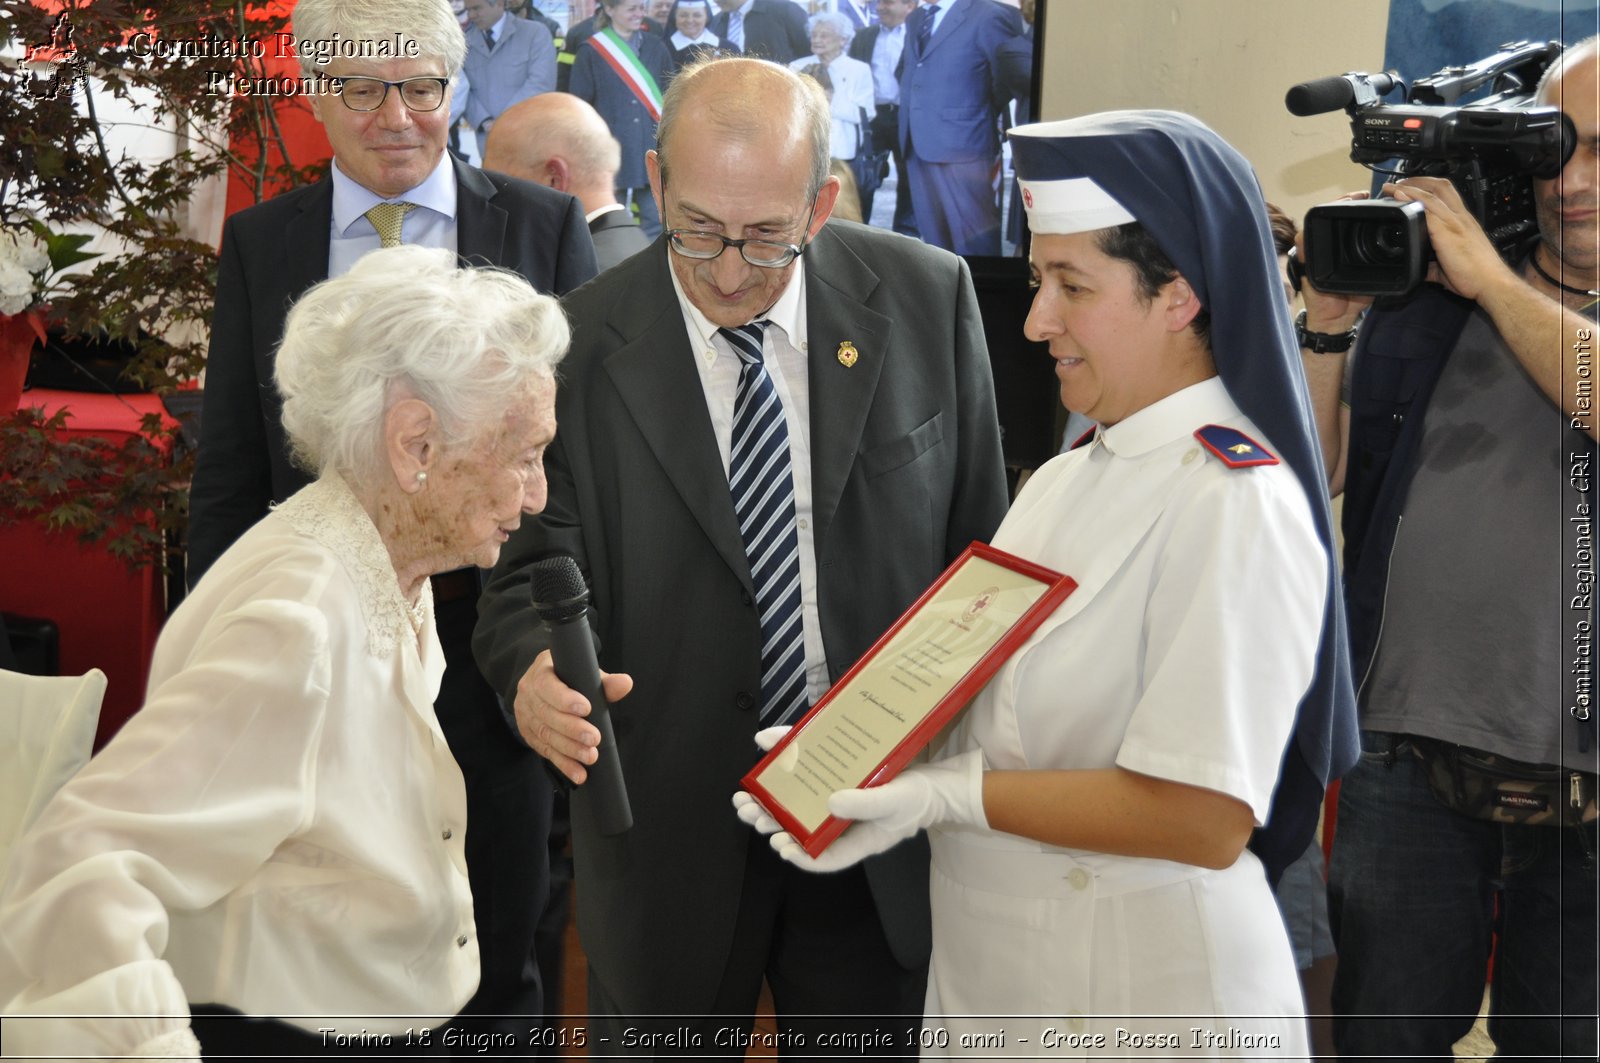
[(947, 791), (768, 737), (748, 808), (751, 812)]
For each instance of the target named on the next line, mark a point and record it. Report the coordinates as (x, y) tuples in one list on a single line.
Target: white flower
[(18, 288), (25, 249), (24, 262)]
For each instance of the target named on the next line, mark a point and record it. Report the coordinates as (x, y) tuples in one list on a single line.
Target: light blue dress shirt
[(432, 224)]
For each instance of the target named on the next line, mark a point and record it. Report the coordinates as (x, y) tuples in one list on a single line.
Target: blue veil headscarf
[(1200, 201)]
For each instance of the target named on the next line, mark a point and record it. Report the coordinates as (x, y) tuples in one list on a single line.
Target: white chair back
[(47, 726)]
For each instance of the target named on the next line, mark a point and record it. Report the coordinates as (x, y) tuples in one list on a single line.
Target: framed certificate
[(905, 689)]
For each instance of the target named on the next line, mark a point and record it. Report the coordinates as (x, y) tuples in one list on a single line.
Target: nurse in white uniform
[(1093, 895)]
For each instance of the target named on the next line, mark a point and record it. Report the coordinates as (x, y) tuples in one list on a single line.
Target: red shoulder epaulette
[(1233, 447)]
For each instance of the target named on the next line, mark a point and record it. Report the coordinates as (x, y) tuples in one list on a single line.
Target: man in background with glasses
[(776, 431), (387, 120)]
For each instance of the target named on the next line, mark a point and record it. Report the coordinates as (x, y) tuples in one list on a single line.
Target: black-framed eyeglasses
[(367, 94), (768, 254)]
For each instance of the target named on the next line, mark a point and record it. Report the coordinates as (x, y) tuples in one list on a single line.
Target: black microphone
[(561, 599), (1336, 93)]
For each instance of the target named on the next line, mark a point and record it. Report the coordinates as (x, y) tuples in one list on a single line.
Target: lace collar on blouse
[(328, 512)]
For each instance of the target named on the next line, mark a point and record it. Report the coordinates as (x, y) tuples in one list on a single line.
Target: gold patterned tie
[(386, 218)]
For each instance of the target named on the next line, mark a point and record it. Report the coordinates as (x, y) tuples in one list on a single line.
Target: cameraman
[(1465, 419)]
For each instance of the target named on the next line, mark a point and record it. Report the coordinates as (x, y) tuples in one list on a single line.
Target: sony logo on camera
[(1490, 150)]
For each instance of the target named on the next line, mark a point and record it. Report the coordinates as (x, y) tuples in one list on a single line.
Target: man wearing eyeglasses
[(776, 431), (391, 181)]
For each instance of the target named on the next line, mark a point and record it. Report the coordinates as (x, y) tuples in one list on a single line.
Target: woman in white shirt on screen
[(279, 830), (851, 97)]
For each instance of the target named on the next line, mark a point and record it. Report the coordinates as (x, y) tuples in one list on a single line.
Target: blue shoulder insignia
[(1233, 447)]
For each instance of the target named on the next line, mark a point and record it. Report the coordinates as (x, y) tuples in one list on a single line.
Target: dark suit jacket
[(906, 471), (861, 44), (774, 29), (273, 252), (616, 237), (951, 95)]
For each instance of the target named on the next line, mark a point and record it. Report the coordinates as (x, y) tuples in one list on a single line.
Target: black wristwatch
[(1322, 342)]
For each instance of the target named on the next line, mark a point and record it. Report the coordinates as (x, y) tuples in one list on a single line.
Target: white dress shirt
[(498, 29), (432, 224), (886, 51), (736, 26), (609, 208), (279, 829), (784, 352)]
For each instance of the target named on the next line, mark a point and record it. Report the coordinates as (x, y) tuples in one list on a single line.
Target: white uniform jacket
[(1183, 654)]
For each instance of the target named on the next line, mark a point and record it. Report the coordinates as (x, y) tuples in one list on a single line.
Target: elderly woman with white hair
[(851, 98), (279, 831)]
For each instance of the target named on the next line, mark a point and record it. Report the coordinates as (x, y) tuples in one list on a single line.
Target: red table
[(108, 614)]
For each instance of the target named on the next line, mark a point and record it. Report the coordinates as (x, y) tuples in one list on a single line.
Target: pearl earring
[(422, 477)]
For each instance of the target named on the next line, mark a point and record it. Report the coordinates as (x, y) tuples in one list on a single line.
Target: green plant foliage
[(56, 169)]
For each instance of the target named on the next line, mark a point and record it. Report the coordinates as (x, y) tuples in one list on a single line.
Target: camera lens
[(1375, 243), (1376, 247)]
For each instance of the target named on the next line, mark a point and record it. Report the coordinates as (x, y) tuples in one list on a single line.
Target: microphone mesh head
[(557, 579), (1319, 97)]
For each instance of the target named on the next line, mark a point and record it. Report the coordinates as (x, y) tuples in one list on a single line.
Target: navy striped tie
[(762, 484), (925, 30)]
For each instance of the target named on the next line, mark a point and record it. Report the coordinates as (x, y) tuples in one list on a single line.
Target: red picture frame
[(1052, 588)]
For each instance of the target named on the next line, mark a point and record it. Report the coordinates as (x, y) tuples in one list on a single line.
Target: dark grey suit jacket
[(906, 471), (616, 237), (271, 253)]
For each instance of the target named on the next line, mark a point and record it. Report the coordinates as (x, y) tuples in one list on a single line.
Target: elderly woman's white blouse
[(279, 829)]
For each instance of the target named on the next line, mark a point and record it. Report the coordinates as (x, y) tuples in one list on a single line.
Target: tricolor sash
[(620, 56)]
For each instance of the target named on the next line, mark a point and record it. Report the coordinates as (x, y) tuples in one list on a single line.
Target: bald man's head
[(556, 139), (1586, 52), (749, 100), (1568, 206)]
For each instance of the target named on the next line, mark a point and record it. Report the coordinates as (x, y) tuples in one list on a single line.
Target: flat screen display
[(921, 99)]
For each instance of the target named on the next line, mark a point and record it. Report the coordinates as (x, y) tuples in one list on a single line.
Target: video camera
[(1490, 151)]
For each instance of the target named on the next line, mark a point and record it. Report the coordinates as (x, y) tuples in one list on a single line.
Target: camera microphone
[(561, 598), (1338, 93)]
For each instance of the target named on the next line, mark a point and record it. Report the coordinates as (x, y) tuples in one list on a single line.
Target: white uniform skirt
[(1075, 955)]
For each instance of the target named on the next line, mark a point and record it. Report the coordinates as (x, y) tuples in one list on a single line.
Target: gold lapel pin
[(1241, 448), (848, 354)]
